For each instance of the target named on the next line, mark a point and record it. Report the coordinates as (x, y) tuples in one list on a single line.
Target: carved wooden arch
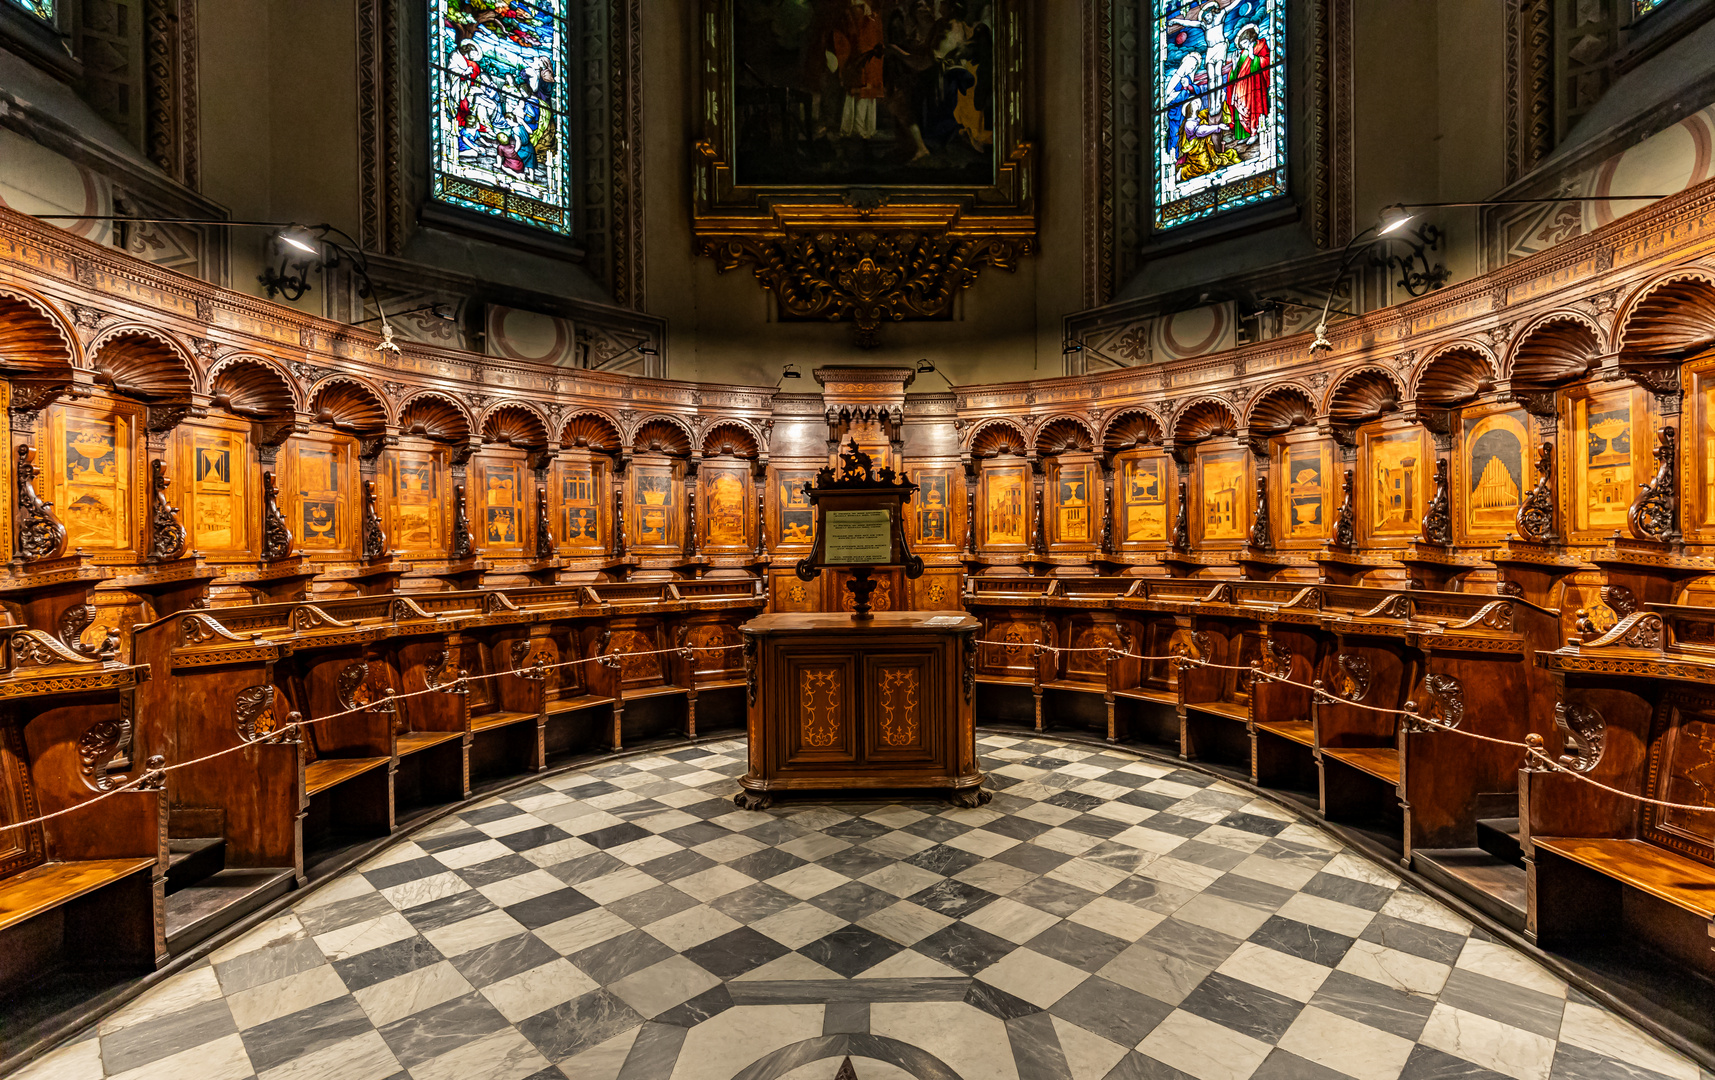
[(253, 386), (433, 415), (996, 436), (662, 433), (1203, 418), (35, 338), (1455, 373), (1280, 407), (1131, 426), (1559, 347), (1063, 434), (589, 429), (732, 438), (515, 423), (144, 363), (349, 404), (1670, 318), (1363, 393)]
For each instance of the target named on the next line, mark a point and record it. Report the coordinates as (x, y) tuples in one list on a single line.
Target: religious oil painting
[(579, 506), (499, 123), (863, 92), (1397, 464), (503, 506), (1495, 462), (1006, 504), (652, 495), (797, 521), (217, 506), (1223, 496), (1145, 498), (416, 513), (1306, 492), (934, 525), (725, 506), (1072, 504), (92, 492), (1602, 461), (319, 495), (1219, 132)]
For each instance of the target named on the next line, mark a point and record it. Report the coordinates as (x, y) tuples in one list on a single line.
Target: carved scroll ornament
[(167, 536), (276, 537), (253, 713), (1351, 677), (106, 747), (1346, 517), (749, 652), (1535, 518), (1443, 704), (1181, 539), (1583, 735), (374, 536), (40, 533), (1655, 515)]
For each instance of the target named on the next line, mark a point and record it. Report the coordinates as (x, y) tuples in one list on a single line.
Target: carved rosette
[(1443, 704), (374, 536), (1438, 520), (1346, 517), (276, 536), (1655, 515), (1351, 677), (167, 536), (40, 533), (1535, 518)]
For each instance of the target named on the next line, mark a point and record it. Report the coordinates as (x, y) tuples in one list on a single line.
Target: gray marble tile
[(1235, 1004), (1281, 1065), (586, 868), (1441, 946), (854, 900), (964, 947), (998, 1003), (1190, 942), (651, 905), (1136, 1066), (845, 1017), (487, 873), (1036, 1048), (753, 903), (688, 1014), (291, 1037), (1576, 1063), (320, 920), (1428, 1063), (579, 1024), (1249, 891), (821, 991), (1306, 942), (441, 1028), (1116, 1013), (680, 864), (387, 962), (1371, 1003), (266, 965), (1054, 897), (385, 877), (1032, 857), (1214, 856), (654, 1053), (736, 953), (1519, 1006), (617, 957), (139, 1044), (1081, 946), (448, 910), (1345, 890), (503, 959), (450, 840)]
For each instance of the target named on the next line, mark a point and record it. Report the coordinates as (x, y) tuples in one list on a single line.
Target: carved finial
[(544, 526)]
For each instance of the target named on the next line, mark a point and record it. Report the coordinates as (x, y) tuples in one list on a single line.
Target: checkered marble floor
[(1105, 917)]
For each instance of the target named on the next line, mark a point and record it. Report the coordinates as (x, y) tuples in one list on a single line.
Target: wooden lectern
[(862, 701)]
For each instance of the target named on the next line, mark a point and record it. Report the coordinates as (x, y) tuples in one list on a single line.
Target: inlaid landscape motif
[(726, 505), (796, 517), (318, 498), (92, 499), (1005, 505), (1494, 473), (1145, 498), (503, 505), (1603, 461), (415, 511), (1223, 498), (932, 508), (217, 518), (1396, 464), (579, 507), (1072, 504), (1306, 492)]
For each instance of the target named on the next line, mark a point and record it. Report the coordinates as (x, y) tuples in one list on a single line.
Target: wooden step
[(1500, 838), (1490, 884), (1381, 762), (50, 885), (331, 772), (190, 859), (199, 912)]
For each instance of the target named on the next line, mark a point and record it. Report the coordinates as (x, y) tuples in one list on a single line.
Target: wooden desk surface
[(882, 622)]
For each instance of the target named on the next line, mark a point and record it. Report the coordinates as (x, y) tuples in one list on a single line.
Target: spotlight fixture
[(925, 366), (1394, 217), (790, 371), (1078, 345), (642, 348), (301, 245)]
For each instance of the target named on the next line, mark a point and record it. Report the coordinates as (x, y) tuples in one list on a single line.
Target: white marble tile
[(1124, 921), (618, 885), (641, 851), (175, 995), (1144, 838), (667, 821), (799, 925), (1088, 1056), (558, 852), (1171, 788), (412, 992), (995, 877), (276, 931), (1162, 976), (582, 930), (661, 986), (1015, 922), (1232, 839), (1286, 875), (1083, 873), (1263, 808), (1047, 813), (1517, 1053), (76, 1061), (516, 890), (1203, 1048), (602, 1061), (1415, 907), (982, 842), (424, 890), (1327, 914), (895, 816), (911, 965), (689, 928), (222, 1059), (504, 1055), (535, 804), (1346, 1046), (901, 879), (1360, 869), (711, 883), (905, 922), (360, 937), (1603, 1032), (402, 853), (529, 992), (1038, 979), (898, 845), (348, 887), (1123, 811), (724, 1044), (1144, 768), (588, 820), (728, 848), (1101, 790), (1171, 871), (1234, 920), (473, 933), (974, 816), (1499, 962), (506, 826), (813, 846), (805, 881), (1067, 841), (1390, 967), (483, 851), (283, 997), (740, 820), (791, 968), (966, 1038), (1284, 974)]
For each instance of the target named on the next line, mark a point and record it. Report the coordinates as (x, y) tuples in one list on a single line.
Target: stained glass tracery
[(1640, 8), (501, 136), (1219, 133), (42, 9)]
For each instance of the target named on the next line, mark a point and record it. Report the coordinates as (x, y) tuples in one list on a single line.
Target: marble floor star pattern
[(1107, 917)]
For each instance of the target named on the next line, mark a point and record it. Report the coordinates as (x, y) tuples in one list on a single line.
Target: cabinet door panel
[(901, 708), (820, 705)]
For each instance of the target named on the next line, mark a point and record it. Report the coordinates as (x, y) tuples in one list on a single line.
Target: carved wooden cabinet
[(883, 703)]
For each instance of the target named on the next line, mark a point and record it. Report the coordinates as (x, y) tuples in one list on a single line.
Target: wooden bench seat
[(1663, 874), (1229, 709), (331, 772), (48, 886), (566, 705), (1298, 731), (721, 684), (654, 691), (490, 721), (412, 741), (1006, 680), (1159, 697), (1381, 762), (1075, 686)]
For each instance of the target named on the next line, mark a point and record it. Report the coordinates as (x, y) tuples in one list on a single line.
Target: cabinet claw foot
[(753, 800), (971, 798)]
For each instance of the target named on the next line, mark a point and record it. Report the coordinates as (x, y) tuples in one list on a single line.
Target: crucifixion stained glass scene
[(1220, 105), (500, 133)]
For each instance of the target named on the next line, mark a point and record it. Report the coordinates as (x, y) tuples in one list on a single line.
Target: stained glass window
[(41, 8), (498, 88), (1220, 106), (1640, 8)]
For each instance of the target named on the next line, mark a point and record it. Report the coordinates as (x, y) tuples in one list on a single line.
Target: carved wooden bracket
[(1346, 517), (1655, 515), (1535, 518), (464, 544), (1438, 520), (1181, 538), (276, 535), (374, 536), (40, 533), (1262, 533), (167, 536), (544, 527)]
